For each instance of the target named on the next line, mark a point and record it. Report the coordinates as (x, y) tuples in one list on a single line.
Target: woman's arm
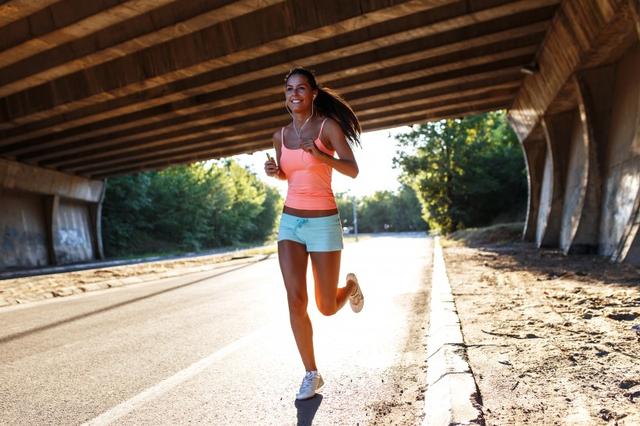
[(346, 161), (272, 166)]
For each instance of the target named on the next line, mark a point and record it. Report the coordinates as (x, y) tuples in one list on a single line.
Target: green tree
[(126, 201), (383, 211), (465, 171), (194, 207), (376, 212), (406, 211)]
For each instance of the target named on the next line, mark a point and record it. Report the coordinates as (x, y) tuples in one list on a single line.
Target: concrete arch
[(553, 179), (534, 151)]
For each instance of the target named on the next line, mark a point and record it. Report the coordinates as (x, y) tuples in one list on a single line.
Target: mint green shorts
[(316, 233)]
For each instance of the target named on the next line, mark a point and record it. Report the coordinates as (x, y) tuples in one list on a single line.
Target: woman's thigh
[(293, 265), (326, 271)]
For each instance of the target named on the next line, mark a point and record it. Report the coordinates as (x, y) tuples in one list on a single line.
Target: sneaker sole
[(352, 277)]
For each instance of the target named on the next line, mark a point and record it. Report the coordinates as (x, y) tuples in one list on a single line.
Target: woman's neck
[(301, 117)]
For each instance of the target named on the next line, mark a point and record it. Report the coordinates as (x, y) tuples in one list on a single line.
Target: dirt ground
[(552, 339), (30, 289)]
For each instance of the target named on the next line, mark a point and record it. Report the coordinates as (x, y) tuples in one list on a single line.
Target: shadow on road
[(307, 409), (118, 305)]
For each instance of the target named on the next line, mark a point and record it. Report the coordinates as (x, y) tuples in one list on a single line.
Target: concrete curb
[(452, 396)]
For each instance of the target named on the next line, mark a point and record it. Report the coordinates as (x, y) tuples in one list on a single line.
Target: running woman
[(322, 125)]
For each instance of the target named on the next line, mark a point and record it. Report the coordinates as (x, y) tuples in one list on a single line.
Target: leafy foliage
[(190, 207), (466, 171), (384, 211)]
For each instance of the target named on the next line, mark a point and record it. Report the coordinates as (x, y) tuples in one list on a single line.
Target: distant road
[(216, 348)]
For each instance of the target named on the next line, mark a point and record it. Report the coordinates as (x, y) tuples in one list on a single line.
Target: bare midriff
[(309, 213)]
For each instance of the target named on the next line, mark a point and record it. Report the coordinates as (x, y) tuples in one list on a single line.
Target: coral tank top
[(309, 179)]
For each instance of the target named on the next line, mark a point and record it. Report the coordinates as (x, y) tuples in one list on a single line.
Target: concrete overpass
[(95, 89)]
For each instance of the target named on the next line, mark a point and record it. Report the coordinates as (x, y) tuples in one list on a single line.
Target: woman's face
[(298, 93)]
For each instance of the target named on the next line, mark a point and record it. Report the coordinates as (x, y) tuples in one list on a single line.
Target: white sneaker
[(356, 300), (311, 383)]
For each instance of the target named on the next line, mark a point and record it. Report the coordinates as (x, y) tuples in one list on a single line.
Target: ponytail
[(330, 104)]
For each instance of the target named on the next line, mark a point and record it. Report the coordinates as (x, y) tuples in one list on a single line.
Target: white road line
[(167, 384)]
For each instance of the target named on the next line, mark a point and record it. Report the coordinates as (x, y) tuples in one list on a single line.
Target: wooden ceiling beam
[(120, 38), (411, 80), (75, 164), (436, 91), (64, 22), (14, 10), (161, 115), (379, 84), (398, 113), (312, 54), (418, 118), (168, 163), (219, 153), (243, 38)]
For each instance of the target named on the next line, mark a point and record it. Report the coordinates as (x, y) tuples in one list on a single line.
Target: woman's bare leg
[(293, 264), (326, 270)]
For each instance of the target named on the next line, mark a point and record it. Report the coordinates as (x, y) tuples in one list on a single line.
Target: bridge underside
[(95, 89)]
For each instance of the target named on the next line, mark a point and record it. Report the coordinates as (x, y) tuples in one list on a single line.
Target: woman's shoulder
[(330, 124), (277, 135)]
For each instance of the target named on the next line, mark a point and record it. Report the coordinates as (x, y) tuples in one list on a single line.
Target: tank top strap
[(321, 127)]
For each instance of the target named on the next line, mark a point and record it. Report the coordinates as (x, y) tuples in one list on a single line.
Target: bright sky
[(374, 161)]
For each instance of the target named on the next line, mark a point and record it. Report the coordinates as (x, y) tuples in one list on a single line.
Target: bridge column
[(581, 204), (47, 217), (618, 100), (585, 93), (534, 148), (51, 204), (553, 179)]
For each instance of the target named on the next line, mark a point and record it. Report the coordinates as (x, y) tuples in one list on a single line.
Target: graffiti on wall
[(71, 244), (22, 247)]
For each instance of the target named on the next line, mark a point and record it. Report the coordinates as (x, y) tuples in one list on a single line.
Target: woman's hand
[(271, 168), (309, 146)]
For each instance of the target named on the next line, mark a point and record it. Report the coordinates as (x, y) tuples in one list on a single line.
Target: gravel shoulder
[(551, 339), (41, 287)]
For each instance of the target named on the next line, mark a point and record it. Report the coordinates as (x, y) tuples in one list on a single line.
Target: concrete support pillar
[(51, 205), (581, 206), (614, 93), (95, 213), (534, 149), (557, 135), (585, 92)]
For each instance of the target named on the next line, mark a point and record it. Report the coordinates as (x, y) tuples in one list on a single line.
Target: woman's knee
[(327, 308), (297, 304)]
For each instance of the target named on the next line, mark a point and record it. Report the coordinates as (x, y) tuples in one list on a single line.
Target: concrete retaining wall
[(23, 236), (72, 232), (47, 218)]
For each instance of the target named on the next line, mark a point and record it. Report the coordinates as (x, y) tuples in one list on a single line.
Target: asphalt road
[(216, 348)]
